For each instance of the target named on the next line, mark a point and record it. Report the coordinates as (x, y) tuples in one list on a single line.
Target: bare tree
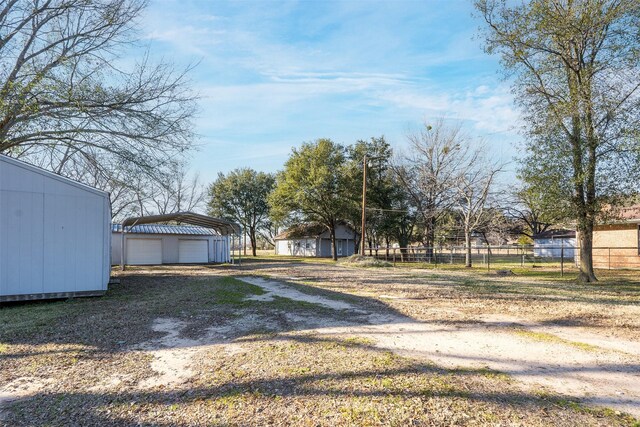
[(126, 184), (473, 186), (176, 192), (432, 170), (63, 96)]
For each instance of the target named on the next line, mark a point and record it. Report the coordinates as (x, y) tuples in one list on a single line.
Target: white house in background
[(54, 235), (155, 244), (314, 240), (552, 243)]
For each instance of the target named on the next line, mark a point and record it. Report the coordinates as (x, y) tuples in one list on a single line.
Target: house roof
[(302, 231), (308, 231), (191, 230), (556, 234), (220, 225), (629, 213)]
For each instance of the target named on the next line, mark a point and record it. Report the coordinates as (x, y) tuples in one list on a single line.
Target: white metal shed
[(555, 244), (54, 235)]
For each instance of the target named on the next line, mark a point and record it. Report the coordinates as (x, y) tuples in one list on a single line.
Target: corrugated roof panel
[(223, 226), (165, 229)]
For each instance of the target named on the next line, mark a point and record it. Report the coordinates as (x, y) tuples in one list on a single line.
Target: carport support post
[(561, 257), (233, 251), (242, 244), (122, 249)]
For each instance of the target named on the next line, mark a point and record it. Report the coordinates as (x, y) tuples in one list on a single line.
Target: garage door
[(193, 251), (144, 251)]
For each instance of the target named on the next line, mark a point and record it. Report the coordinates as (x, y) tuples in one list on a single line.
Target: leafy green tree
[(241, 196), (535, 205), (314, 187), (577, 76)]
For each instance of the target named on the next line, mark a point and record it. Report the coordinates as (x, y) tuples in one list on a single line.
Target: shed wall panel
[(53, 234), (22, 251)]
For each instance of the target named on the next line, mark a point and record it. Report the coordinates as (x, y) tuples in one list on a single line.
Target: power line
[(387, 210)]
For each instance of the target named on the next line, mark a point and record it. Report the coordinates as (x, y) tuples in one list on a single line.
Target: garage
[(144, 251), (193, 251), (156, 244)]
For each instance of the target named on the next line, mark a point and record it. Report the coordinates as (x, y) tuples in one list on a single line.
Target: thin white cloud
[(268, 80)]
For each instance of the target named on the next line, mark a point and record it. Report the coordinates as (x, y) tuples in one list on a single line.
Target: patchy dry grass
[(304, 379), (86, 355), (364, 261), (460, 295), (547, 337)]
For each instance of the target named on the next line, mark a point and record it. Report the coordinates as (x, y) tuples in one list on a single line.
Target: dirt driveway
[(594, 367), (288, 343)]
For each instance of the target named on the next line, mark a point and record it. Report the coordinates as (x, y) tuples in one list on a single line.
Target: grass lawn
[(251, 359)]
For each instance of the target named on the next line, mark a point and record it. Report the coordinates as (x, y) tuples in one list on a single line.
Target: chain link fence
[(561, 258)]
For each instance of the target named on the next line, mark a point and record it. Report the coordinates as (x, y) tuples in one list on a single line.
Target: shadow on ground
[(79, 342)]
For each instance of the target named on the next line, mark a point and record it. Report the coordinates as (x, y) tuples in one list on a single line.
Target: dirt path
[(275, 288), (590, 367)]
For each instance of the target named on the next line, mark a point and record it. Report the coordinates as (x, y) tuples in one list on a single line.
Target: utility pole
[(364, 201)]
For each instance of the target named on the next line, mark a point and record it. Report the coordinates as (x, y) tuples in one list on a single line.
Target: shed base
[(51, 295)]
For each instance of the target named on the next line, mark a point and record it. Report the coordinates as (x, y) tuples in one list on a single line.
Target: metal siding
[(106, 246), (3, 239), (115, 248), (74, 243), (221, 249), (169, 249), (15, 178), (53, 233), (22, 233)]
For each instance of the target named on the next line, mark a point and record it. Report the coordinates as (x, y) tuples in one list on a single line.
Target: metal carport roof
[(221, 225)]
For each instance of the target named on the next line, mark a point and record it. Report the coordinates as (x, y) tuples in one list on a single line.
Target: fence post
[(488, 258), (522, 258), (562, 258), (394, 257)]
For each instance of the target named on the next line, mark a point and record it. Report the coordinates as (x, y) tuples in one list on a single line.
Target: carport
[(222, 226)]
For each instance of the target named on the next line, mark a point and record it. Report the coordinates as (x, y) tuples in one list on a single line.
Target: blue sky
[(275, 74)]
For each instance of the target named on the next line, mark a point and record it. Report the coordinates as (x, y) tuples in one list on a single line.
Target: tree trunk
[(584, 183), (334, 247), (467, 254), (430, 237), (585, 236), (254, 242)]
